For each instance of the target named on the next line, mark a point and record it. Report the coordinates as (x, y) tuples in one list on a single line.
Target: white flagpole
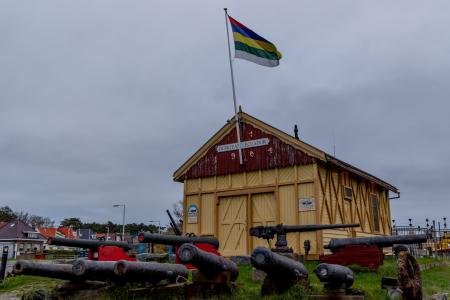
[(234, 92)]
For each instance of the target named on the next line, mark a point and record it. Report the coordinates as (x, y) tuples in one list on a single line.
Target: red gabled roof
[(69, 233), (3, 224), (47, 231)]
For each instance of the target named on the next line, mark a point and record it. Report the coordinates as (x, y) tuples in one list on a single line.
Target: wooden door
[(233, 225), (264, 213)]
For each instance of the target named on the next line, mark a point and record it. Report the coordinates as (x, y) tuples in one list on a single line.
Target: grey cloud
[(100, 101)]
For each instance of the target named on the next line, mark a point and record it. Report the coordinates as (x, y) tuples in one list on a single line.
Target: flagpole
[(234, 92)]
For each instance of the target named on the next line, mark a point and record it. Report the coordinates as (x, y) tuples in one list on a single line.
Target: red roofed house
[(63, 232)]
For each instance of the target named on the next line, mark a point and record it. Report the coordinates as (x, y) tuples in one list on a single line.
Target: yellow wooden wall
[(289, 185), (335, 209)]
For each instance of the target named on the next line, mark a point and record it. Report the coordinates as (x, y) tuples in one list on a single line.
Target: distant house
[(86, 234), (20, 238), (108, 237), (63, 232)]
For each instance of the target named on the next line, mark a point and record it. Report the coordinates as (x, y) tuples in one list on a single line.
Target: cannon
[(94, 270), (208, 244), (86, 244), (335, 276), (365, 251), (380, 241), (98, 250), (210, 265), (280, 230), (214, 274), (176, 240), (60, 271), (337, 281), (151, 272), (282, 272)]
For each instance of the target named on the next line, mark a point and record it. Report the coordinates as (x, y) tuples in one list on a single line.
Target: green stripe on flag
[(255, 51)]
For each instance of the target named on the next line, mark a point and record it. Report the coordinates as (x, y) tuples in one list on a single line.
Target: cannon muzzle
[(175, 240), (335, 276), (60, 271), (210, 265)]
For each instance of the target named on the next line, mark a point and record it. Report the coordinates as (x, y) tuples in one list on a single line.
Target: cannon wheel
[(409, 278)]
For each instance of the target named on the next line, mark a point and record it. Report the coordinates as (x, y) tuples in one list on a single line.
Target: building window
[(375, 212), (32, 235), (348, 193)]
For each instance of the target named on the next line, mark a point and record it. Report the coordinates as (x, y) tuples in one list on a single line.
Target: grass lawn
[(20, 285), (435, 280)]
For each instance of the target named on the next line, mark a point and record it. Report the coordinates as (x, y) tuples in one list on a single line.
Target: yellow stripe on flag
[(255, 44)]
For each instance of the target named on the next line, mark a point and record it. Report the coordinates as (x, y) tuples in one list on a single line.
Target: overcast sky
[(100, 101)]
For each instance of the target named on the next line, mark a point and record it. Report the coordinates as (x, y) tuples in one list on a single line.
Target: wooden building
[(283, 180)]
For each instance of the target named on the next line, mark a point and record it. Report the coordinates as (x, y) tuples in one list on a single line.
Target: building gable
[(262, 150), (285, 151)]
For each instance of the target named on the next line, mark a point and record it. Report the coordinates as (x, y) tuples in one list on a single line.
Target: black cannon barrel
[(277, 266), (380, 241), (60, 271), (152, 272), (86, 244), (94, 270), (175, 240), (315, 227), (335, 276), (207, 263), (268, 232)]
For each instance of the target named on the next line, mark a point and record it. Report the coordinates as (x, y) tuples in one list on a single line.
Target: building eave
[(351, 169)]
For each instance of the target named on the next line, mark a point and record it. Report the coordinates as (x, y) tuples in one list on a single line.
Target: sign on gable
[(244, 145)]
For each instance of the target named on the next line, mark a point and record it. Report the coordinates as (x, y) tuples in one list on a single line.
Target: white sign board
[(244, 145), (192, 214), (306, 204)]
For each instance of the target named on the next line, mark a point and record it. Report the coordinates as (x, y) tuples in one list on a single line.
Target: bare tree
[(23, 216), (177, 211), (38, 221)]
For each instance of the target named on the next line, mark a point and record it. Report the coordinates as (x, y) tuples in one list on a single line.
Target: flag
[(250, 46)]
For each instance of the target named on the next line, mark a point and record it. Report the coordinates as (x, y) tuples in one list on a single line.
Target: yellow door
[(232, 225), (264, 213)]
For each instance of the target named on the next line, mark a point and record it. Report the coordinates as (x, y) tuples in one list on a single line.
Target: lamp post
[(123, 219)]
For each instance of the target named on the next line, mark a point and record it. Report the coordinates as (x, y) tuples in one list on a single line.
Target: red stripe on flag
[(238, 24)]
